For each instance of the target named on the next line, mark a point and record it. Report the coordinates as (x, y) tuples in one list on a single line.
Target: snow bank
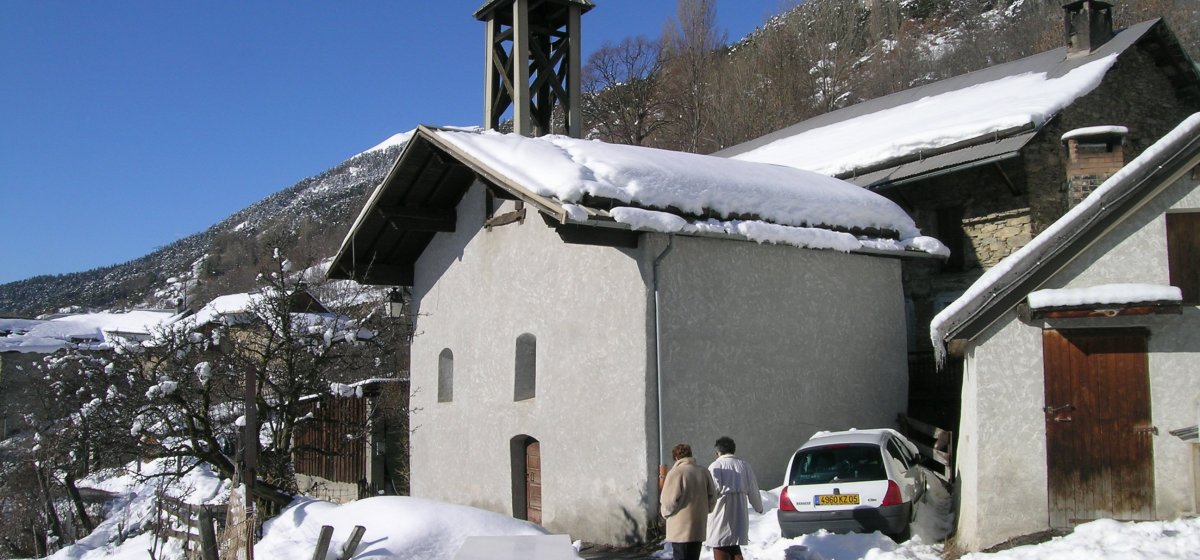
[(397, 527), (124, 532), (1113, 540)]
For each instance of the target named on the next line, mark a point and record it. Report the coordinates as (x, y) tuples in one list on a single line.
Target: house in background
[(1080, 356), (979, 162), (581, 307)]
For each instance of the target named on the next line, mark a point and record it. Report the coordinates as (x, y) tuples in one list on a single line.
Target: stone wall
[(999, 234)]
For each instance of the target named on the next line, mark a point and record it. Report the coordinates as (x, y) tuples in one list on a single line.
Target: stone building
[(987, 160)]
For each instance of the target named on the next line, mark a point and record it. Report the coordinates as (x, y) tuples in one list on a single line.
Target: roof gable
[(1003, 286)]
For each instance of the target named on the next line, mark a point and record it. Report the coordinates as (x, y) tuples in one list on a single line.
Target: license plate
[(836, 499)]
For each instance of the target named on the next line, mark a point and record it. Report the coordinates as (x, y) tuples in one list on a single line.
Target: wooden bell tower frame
[(533, 63)]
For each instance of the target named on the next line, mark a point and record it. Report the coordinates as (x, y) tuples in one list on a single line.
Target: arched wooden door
[(526, 454)]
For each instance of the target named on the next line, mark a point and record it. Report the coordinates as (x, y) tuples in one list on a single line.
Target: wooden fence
[(936, 445), (331, 444), (195, 525)]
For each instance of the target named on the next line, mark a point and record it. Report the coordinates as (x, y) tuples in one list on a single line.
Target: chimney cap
[(485, 11), (1096, 132)]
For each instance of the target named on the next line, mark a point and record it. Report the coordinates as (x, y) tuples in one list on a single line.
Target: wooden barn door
[(533, 481), (1099, 447)]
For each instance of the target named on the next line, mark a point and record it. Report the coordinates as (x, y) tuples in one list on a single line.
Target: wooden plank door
[(1099, 447), (533, 481)]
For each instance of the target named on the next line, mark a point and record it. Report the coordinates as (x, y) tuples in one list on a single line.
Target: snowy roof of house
[(1012, 279), (232, 307), (587, 183), (93, 330), (966, 120)]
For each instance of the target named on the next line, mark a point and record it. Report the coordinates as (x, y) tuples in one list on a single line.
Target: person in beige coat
[(688, 496)]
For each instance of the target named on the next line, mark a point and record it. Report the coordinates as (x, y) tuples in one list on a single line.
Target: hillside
[(307, 219)]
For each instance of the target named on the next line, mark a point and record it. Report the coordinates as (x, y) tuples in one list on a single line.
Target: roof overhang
[(927, 166)]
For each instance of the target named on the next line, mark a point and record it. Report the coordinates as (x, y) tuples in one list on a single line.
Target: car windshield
[(837, 463)]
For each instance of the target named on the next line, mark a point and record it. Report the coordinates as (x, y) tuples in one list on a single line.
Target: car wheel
[(904, 535)]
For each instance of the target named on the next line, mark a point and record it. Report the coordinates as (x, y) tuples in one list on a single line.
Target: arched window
[(526, 371), (445, 385)]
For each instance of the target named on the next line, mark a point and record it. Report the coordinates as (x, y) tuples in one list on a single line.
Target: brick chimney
[(1087, 24), (1093, 155), (533, 64)]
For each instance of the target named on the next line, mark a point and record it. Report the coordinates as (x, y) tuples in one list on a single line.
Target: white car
[(852, 481)]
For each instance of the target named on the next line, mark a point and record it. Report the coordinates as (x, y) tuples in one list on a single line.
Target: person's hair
[(680, 451), (725, 445)]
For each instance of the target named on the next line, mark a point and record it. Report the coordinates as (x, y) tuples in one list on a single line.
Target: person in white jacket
[(729, 523)]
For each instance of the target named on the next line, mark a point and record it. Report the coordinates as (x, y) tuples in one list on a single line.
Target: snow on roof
[(243, 308), (568, 169), (228, 305), (932, 122), (1095, 131), (1012, 268), (18, 326), (89, 328), (1105, 294)]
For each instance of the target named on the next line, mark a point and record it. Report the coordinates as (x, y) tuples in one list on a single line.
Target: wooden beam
[(1115, 311), (574, 73), (506, 218), (419, 219), (522, 119)]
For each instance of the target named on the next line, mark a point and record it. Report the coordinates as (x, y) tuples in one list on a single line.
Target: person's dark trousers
[(685, 550), (727, 553)]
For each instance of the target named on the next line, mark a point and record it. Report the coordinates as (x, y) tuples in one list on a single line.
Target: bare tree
[(623, 102), (690, 43)]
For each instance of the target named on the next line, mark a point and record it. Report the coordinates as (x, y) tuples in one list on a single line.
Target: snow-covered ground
[(412, 528)]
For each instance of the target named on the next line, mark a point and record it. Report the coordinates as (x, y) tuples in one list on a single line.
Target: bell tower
[(533, 64)]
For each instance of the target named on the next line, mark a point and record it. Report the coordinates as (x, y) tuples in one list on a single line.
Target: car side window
[(894, 450), (910, 455)]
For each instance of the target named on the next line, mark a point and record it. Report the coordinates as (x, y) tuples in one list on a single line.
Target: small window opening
[(445, 386), (525, 385)]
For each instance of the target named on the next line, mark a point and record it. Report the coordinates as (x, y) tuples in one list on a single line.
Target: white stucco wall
[(1002, 443), (476, 292), (768, 344)]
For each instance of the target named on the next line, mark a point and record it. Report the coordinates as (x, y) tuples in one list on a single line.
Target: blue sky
[(127, 125)]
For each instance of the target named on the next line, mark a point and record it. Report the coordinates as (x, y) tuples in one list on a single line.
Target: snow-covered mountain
[(310, 216)]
